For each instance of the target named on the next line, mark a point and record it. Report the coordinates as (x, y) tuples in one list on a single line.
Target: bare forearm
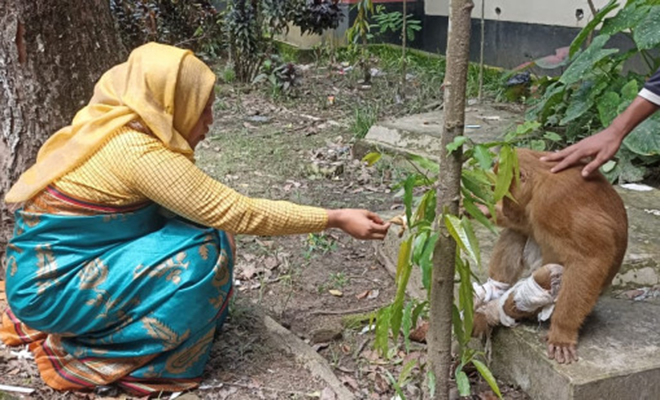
[(637, 111)]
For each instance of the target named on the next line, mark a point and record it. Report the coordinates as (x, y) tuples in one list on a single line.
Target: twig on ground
[(344, 312), (360, 348), (254, 387)]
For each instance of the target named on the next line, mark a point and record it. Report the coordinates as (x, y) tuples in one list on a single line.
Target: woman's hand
[(361, 224), (601, 147)]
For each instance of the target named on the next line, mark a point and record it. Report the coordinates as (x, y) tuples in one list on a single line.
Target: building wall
[(568, 13)]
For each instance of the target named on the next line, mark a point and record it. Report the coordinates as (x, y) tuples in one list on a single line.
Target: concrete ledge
[(420, 133), (619, 356)]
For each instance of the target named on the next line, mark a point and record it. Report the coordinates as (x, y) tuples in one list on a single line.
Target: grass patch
[(364, 118)]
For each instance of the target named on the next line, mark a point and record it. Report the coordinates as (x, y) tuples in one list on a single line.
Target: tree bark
[(51, 54), (448, 194)]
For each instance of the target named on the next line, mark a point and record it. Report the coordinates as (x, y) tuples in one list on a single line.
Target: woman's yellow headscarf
[(163, 86)]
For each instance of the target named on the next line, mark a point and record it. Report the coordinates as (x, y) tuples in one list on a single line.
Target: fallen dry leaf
[(328, 394), (373, 294), (362, 295), (248, 271), (487, 395), (350, 382), (271, 263), (419, 334), (335, 292), (381, 383)]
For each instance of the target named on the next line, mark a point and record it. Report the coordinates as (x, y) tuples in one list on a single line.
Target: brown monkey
[(578, 223)]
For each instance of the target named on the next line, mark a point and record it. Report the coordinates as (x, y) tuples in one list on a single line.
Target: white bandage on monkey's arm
[(490, 290), (529, 296)]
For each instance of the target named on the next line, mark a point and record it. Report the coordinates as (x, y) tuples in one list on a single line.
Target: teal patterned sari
[(133, 298)]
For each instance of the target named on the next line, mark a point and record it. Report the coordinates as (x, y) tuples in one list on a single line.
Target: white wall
[(546, 12)]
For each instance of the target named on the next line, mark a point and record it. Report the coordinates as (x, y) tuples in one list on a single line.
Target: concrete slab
[(619, 356), (420, 133)]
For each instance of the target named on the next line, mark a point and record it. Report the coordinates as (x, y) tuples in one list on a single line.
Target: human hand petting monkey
[(602, 146), (361, 224)]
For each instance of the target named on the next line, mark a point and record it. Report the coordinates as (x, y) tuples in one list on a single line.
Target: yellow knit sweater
[(133, 167)]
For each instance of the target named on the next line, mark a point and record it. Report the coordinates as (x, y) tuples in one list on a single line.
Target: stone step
[(620, 342), (420, 133)]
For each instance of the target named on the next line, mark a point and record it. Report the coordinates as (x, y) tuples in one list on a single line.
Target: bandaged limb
[(532, 296), (491, 290)]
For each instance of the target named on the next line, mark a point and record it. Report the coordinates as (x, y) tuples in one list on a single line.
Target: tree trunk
[(442, 285), (51, 54)]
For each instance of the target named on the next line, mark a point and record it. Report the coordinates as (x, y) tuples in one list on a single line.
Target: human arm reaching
[(361, 224), (173, 181), (602, 146)]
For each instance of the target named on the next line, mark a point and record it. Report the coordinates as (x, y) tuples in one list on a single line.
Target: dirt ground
[(320, 287)]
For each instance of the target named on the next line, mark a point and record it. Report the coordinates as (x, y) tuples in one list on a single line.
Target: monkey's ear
[(524, 175)]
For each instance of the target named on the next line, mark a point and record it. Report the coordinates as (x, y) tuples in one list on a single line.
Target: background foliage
[(596, 86), (192, 24)]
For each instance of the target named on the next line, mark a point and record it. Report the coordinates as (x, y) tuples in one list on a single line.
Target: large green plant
[(251, 26), (194, 24), (359, 35), (593, 89)]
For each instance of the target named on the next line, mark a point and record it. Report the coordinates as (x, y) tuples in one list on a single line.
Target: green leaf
[(426, 208), (426, 262), (405, 372), (488, 377), (463, 383), (403, 270), (418, 311), (382, 328), (645, 139), (505, 173), (552, 96), (456, 230), (408, 187), (472, 240), (552, 136), (607, 107), (538, 145), (582, 100), (647, 34), (419, 244), (397, 386), (465, 296), (629, 90), (458, 142), (608, 166), (483, 156), (477, 183), (372, 158), (626, 18), (406, 325), (457, 324), (590, 27), (584, 63), (430, 380), (477, 214)]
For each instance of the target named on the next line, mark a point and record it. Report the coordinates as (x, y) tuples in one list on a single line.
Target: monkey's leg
[(507, 261), (533, 296), (506, 266), (578, 294)]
